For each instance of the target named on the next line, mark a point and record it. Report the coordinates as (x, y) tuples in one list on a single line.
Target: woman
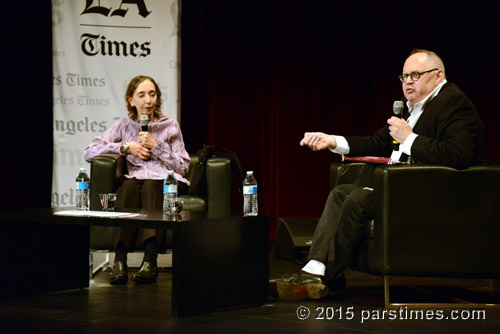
[(149, 155)]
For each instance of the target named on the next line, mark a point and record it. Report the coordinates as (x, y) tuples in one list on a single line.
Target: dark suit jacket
[(450, 133)]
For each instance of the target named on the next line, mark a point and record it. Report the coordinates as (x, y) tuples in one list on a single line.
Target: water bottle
[(169, 193), (82, 190), (250, 205)]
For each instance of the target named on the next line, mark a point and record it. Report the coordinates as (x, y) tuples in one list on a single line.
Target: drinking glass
[(178, 206), (111, 201), (104, 201)]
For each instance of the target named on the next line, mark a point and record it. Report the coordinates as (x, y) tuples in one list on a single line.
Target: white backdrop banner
[(98, 47)]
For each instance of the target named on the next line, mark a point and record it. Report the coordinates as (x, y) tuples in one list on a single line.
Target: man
[(439, 126)]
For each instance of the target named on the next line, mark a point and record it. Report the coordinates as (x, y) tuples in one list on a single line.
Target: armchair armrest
[(104, 172), (438, 221), (218, 201), (219, 187)]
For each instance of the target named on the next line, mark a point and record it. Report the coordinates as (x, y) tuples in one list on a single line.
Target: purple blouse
[(169, 154)]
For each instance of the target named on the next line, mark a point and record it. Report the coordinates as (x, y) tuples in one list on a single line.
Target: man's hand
[(399, 129), (317, 141)]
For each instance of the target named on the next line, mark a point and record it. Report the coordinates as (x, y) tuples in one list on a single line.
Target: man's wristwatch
[(126, 147)]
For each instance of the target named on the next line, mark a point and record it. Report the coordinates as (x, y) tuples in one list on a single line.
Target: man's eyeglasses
[(413, 75)]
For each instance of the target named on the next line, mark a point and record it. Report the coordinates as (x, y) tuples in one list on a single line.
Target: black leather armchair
[(106, 170), (430, 221)]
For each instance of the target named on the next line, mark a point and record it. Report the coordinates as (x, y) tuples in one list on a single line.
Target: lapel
[(428, 111)]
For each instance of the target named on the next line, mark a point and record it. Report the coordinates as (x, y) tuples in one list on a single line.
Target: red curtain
[(257, 75)]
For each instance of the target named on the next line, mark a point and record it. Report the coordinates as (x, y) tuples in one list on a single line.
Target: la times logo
[(91, 9), (99, 45)]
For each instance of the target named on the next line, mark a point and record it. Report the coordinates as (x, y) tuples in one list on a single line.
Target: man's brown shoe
[(299, 285)]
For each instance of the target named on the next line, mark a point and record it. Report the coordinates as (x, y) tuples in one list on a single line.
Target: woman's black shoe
[(119, 274), (148, 273)]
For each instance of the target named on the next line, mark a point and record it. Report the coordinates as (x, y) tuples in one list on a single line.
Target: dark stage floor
[(146, 309)]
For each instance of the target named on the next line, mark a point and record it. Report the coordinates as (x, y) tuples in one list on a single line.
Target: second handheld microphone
[(397, 107)]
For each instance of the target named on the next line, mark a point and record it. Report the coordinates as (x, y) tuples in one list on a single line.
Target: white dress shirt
[(415, 113)]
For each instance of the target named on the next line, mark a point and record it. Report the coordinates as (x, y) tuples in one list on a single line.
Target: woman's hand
[(146, 140), (139, 151)]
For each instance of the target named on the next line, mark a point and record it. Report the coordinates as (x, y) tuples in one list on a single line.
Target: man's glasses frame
[(414, 75)]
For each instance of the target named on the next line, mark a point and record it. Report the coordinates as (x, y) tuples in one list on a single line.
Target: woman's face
[(144, 99)]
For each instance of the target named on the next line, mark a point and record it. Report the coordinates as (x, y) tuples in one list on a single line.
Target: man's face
[(416, 90)]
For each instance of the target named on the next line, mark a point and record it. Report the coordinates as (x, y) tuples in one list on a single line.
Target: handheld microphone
[(397, 107), (144, 122)]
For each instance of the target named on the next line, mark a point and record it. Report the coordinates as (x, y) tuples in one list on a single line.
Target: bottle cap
[(82, 169), (249, 172)]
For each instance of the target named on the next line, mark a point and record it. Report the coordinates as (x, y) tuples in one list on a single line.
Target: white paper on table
[(108, 214)]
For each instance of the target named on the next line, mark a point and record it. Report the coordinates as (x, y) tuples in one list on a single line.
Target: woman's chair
[(105, 174)]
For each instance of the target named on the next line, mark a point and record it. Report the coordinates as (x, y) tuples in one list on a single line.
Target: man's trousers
[(340, 229)]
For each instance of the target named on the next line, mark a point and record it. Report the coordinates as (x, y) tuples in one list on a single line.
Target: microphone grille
[(144, 119), (398, 107)]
